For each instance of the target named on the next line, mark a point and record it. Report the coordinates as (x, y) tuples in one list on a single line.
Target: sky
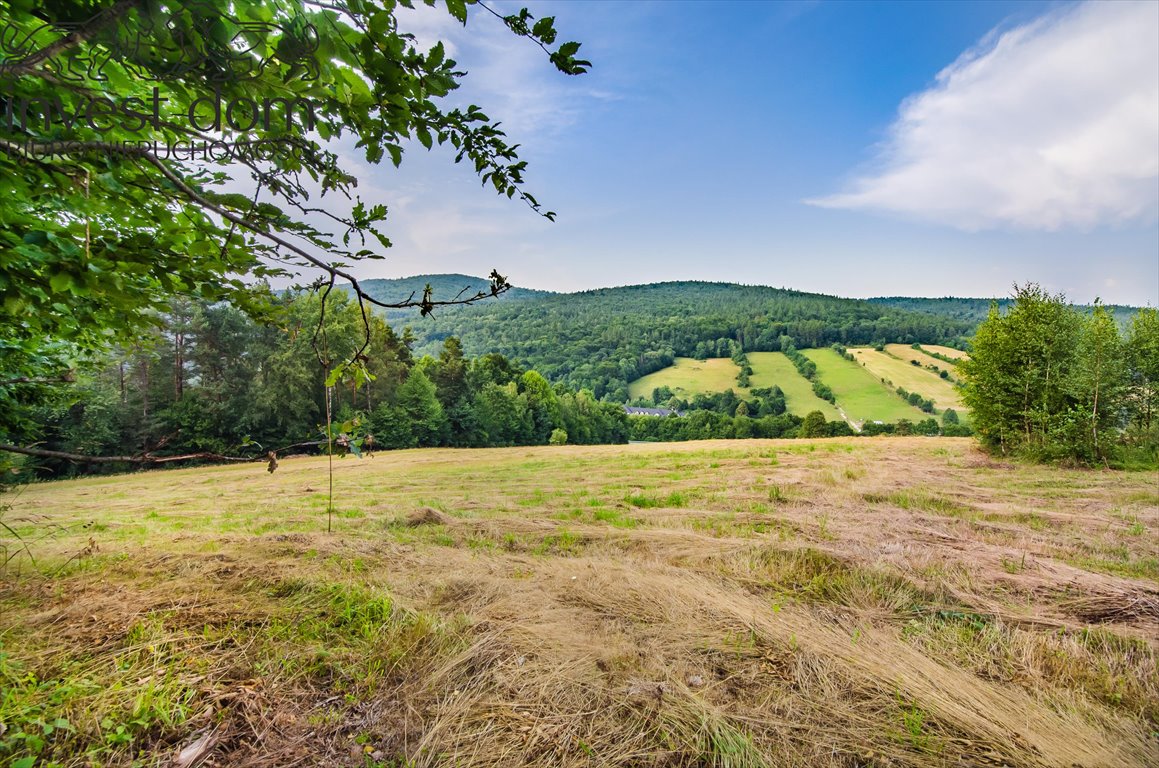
[(856, 149)]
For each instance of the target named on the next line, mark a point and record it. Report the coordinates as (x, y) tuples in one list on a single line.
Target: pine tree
[(417, 399)]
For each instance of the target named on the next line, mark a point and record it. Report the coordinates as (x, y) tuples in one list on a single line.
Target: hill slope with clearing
[(771, 368), (605, 338), (687, 377), (860, 393), (913, 378)]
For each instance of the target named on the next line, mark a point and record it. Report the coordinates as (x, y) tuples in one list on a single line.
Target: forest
[(603, 339), (978, 309), (210, 379)]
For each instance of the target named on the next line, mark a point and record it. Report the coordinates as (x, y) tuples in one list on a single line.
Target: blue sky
[(857, 149)]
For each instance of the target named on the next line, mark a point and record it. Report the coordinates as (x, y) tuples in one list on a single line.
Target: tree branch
[(28, 64), (149, 458)]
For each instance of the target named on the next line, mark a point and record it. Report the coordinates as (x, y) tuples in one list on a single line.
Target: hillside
[(975, 310), (603, 339), (802, 604)]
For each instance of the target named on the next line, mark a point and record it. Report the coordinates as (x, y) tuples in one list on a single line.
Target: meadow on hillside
[(865, 388), (899, 372), (774, 369), (688, 376), (861, 395), (871, 602)]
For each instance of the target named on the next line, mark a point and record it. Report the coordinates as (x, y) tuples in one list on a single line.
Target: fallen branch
[(149, 458)]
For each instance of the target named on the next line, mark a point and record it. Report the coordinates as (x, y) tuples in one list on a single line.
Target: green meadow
[(771, 368), (860, 394), (688, 377)]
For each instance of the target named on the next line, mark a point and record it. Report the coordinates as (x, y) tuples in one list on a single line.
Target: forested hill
[(443, 288), (976, 310), (602, 339)]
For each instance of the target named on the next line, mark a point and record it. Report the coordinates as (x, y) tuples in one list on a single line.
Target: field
[(907, 353), (771, 368), (835, 603), (914, 379), (688, 377), (950, 352), (859, 393)]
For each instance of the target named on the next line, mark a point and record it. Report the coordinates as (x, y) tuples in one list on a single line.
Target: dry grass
[(860, 602), (913, 378), (688, 377), (950, 352)]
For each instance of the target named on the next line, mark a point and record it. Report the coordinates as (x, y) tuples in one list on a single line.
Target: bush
[(824, 392), (558, 437), (814, 425)]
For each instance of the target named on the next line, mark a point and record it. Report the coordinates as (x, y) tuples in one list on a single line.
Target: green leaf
[(435, 57), (458, 9), (544, 29), (60, 282)]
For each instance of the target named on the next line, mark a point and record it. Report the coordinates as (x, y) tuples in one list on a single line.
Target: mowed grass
[(859, 393), (836, 603), (911, 377), (688, 377), (907, 353), (771, 368), (950, 352)]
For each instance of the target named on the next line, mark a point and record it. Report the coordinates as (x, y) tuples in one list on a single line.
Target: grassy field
[(771, 368), (688, 377), (950, 352), (859, 393), (913, 378), (836, 603), (907, 353)]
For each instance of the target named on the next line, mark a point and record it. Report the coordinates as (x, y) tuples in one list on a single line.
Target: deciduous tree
[(152, 150)]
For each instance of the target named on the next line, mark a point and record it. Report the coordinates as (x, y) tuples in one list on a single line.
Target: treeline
[(719, 425), (977, 310), (808, 368), (761, 402), (1052, 382), (601, 340), (210, 379), (725, 415)]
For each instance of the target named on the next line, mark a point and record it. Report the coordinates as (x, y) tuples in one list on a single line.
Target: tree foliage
[(156, 150), (240, 387), (1051, 381)]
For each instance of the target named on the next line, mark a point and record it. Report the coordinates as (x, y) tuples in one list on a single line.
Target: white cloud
[(1051, 125)]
